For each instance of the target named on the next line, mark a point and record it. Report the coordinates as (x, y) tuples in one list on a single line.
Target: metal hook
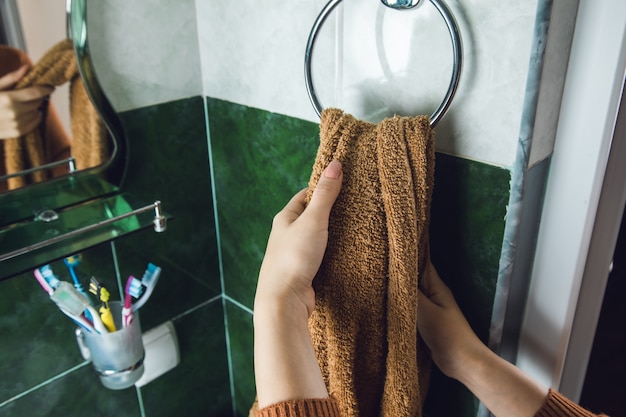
[(402, 4)]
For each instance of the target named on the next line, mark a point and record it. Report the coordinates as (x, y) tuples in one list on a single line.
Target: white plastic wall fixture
[(162, 353)]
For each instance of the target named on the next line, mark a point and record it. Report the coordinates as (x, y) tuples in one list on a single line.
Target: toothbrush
[(42, 281), (127, 310), (75, 305), (78, 319), (142, 289), (96, 288), (48, 276), (72, 262)]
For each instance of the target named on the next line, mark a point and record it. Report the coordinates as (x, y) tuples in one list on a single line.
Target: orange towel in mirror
[(89, 144)]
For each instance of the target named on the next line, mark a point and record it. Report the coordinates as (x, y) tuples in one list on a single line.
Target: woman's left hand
[(285, 364), (297, 243)]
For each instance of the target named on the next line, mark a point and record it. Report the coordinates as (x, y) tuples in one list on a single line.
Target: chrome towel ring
[(457, 50)]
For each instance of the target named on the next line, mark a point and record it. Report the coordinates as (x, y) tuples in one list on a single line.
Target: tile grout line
[(229, 357), (196, 307), (142, 410), (214, 195), (44, 383), (116, 265), (238, 304), (219, 257)]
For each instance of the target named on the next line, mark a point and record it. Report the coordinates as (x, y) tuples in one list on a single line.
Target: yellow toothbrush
[(96, 288)]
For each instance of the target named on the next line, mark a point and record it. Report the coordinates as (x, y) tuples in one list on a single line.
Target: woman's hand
[(443, 326), (19, 109), (297, 243), (285, 364), (460, 354)]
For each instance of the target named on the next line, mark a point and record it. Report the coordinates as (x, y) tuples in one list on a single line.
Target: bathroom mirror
[(35, 27), (49, 220)]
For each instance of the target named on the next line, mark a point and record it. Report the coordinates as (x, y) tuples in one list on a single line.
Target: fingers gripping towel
[(364, 326)]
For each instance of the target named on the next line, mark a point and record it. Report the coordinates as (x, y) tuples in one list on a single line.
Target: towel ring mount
[(457, 51)]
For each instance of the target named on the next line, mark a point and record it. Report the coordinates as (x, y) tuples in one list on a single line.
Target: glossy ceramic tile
[(77, 394), (168, 161), (155, 59), (260, 160), (256, 157), (199, 385), (176, 291), (259, 63), (359, 64), (467, 227), (253, 156), (38, 340), (241, 342), (39, 348)]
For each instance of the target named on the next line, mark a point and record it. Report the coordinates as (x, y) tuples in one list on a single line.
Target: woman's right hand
[(20, 109), (444, 328), (460, 354)]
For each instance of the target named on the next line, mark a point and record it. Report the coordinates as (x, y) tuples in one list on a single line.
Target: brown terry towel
[(364, 326), (88, 145)]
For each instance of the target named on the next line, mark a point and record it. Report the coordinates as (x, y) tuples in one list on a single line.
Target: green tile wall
[(240, 332), (261, 159), (169, 161), (43, 372), (199, 386), (467, 227)]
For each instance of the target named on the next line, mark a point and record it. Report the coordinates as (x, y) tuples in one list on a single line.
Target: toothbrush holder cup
[(118, 356)]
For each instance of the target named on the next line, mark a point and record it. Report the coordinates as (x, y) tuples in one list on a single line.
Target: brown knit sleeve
[(321, 407), (557, 405)]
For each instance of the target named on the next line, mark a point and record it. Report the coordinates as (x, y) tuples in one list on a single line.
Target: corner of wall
[(554, 29)]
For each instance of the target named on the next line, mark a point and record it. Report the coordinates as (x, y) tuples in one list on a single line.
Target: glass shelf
[(24, 246), (24, 203)]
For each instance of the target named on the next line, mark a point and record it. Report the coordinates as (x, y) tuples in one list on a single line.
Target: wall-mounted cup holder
[(118, 356)]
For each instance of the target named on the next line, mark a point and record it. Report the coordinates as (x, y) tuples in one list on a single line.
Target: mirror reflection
[(48, 125)]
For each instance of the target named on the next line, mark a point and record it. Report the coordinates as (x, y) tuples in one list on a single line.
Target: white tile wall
[(253, 54), (369, 60), (145, 53)]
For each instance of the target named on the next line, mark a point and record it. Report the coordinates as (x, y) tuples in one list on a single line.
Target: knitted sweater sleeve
[(322, 407), (557, 405)]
